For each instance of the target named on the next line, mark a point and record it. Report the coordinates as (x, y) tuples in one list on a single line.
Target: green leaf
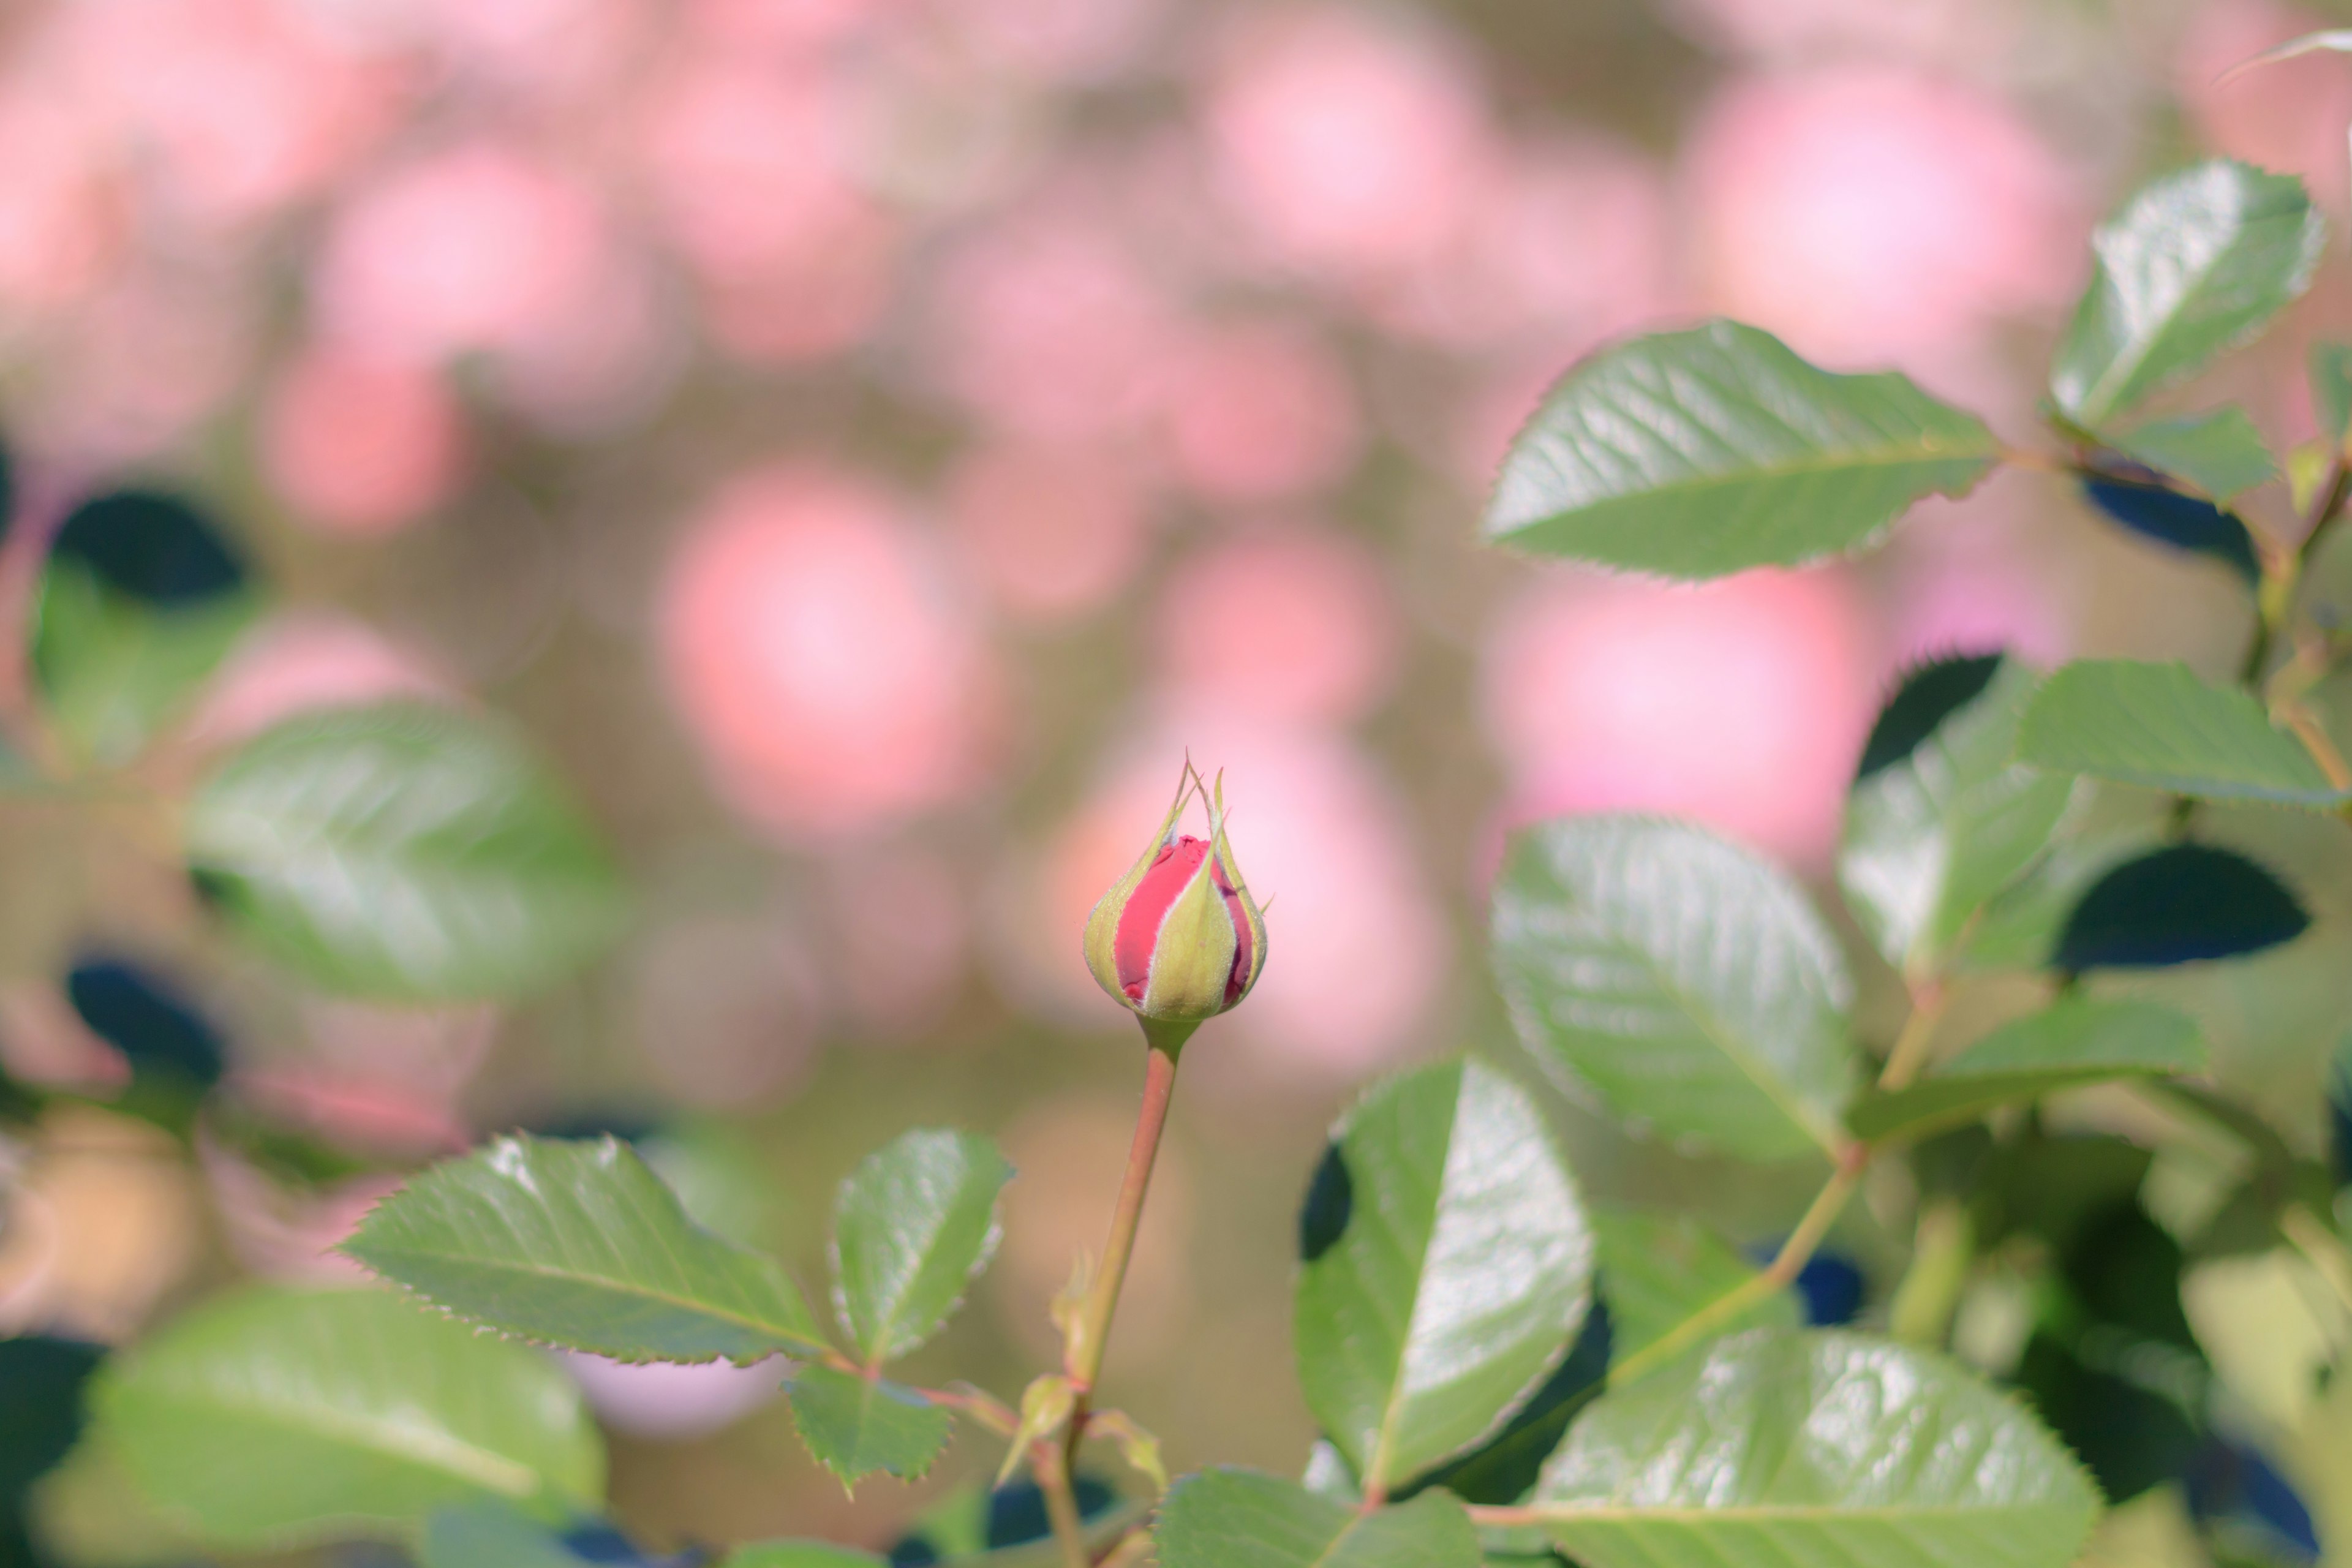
[(140, 600), (276, 1418), (578, 1244), (2220, 453), (403, 851), (2331, 391), (1658, 1271), (1933, 833), (1446, 1265), (2158, 726), (1782, 1447), (1686, 981), (2077, 1040), (856, 1426), (915, 1224), (798, 1554), (2185, 903), (1699, 453), (2197, 263), (1230, 1518), (2019, 926)]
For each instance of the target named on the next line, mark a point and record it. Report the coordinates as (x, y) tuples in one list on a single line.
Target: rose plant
[(1503, 1371)]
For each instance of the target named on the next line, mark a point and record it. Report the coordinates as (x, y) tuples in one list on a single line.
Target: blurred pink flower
[(303, 660), (1078, 41), (1347, 144), (1740, 703), (1574, 244), (140, 367), (1291, 622), (2288, 117), (814, 648), (669, 1403), (1045, 326), (359, 446), (238, 107), (606, 365), (61, 226), (783, 25), (1258, 411), (1874, 215), (812, 305), (747, 165), (1051, 532), (1357, 952), (480, 248), (566, 48)]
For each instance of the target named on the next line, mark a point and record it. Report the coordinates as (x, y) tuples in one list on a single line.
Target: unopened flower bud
[(1178, 938)]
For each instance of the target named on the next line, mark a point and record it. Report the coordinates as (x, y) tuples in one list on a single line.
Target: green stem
[(1090, 1336), (1794, 1254), (1929, 1296), (1053, 1472), (1085, 1357)]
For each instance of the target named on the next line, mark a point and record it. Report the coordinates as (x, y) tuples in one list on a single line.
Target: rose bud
[(1178, 938)]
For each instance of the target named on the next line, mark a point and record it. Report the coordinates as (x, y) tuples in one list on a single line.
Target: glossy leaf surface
[(1242, 1519), (1932, 836), (578, 1244), (2220, 453), (1447, 1266), (915, 1223), (1699, 453), (856, 1425), (2160, 727), (406, 852), (278, 1416), (1686, 980), (1779, 1447), (2196, 263), (2078, 1040)]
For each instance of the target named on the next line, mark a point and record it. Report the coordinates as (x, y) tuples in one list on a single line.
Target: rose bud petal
[(1178, 938)]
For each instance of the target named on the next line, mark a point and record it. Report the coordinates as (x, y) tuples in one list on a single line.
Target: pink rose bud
[(1178, 938)]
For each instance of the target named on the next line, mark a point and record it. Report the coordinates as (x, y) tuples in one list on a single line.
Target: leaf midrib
[(508, 1477), (1827, 463), (787, 1340), (1754, 1067), (2093, 406)]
